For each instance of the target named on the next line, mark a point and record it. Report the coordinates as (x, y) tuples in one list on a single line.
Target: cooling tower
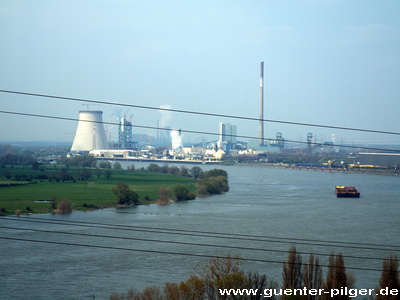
[(90, 134)]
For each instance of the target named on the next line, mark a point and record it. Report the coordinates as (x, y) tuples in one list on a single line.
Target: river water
[(276, 207)]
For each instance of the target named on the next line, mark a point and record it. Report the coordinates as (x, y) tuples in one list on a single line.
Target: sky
[(330, 62)]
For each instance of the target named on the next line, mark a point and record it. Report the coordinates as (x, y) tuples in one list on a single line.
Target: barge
[(347, 192)]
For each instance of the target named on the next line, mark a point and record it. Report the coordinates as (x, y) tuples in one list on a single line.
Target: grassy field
[(94, 191)]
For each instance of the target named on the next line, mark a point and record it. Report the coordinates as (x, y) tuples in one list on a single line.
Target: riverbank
[(160, 160), (371, 171), (95, 192), (80, 190)]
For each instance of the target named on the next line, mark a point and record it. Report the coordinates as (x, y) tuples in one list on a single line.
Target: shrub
[(105, 165), (64, 207), (164, 169), (214, 185), (163, 195), (153, 168), (22, 177), (215, 173), (53, 202), (195, 172), (183, 171), (182, 193), (63, 175), (222, 183), (125, 195), (78, 161), (191, 196), (202, 190), (173, 170), (84, 174)]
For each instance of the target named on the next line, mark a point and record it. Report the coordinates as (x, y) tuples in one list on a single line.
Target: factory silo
[(90, 134)]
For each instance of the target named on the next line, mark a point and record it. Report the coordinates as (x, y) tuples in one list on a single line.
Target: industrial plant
[(91, 138)]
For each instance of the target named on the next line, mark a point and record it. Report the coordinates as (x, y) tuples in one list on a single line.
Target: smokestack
[(90, 134), (261, 125)]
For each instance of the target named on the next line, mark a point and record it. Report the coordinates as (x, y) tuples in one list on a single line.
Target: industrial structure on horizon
[(125, 134), (91, 138), (227, 136), (90, 134)]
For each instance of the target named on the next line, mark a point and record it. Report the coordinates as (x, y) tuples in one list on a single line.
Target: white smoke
[(166, 116), (176, 140)]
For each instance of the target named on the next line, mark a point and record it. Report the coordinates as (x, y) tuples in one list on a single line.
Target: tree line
[(15, 159), (56, 175), (210, 183), (195, 172), (226, 273)]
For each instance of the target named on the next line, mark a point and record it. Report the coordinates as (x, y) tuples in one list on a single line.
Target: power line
[(258, 238), (128, 227), (166, 252), (180, 242), (194, 132), (197, 112)]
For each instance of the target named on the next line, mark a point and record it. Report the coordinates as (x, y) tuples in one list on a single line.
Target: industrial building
[(115, 153), (227, 136), (380, 159), (125, 135)]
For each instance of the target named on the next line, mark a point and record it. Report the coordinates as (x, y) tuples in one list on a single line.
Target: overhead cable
[(195, 132), (179, 242), (257, 238), (196, 112), (165, 252)]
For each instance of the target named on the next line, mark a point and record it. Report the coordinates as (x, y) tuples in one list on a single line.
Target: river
[(276, 207)]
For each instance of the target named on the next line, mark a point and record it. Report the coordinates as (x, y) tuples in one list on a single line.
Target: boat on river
[(347, 192)]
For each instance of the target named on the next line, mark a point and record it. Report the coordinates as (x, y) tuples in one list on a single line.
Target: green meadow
[(33, 195)]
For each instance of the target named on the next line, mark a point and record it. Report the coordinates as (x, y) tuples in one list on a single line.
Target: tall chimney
[(261, 125)]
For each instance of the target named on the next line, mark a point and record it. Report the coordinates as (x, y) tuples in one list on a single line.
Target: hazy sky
[(333, 62)]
